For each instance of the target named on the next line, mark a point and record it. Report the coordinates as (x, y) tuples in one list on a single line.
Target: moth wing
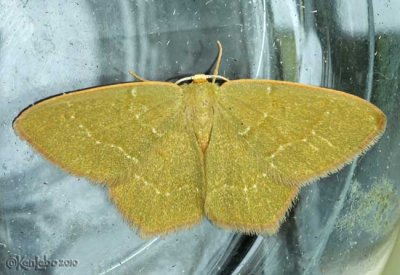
[(269, 138), (133, 137)]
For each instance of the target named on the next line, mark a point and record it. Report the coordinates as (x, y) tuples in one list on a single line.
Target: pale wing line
[(154, 107), (239, 119), (119, 148), (273, 117), (247, 105), (312, 132), (252, 151), (139, 178), (226, 186), (97, 141), (152, 185), (167, 131), (88, 134), (263, 121), (282, 147), (276, 175), (148, 110), (258, 124), (264, 114)]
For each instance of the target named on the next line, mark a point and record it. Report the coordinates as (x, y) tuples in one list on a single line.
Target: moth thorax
[(200, 110)]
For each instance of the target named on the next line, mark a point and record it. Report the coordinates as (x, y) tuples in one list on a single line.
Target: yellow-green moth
[(171, 154)]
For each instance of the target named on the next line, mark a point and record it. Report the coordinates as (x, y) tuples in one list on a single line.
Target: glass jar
[(343, 224)]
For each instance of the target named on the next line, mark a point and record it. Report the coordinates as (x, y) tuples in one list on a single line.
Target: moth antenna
[(135, 75), (215, 73)]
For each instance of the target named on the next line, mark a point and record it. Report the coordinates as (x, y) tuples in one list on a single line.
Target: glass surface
[(343, 224)]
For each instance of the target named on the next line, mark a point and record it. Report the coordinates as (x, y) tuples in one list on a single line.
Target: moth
[(173, 153)]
